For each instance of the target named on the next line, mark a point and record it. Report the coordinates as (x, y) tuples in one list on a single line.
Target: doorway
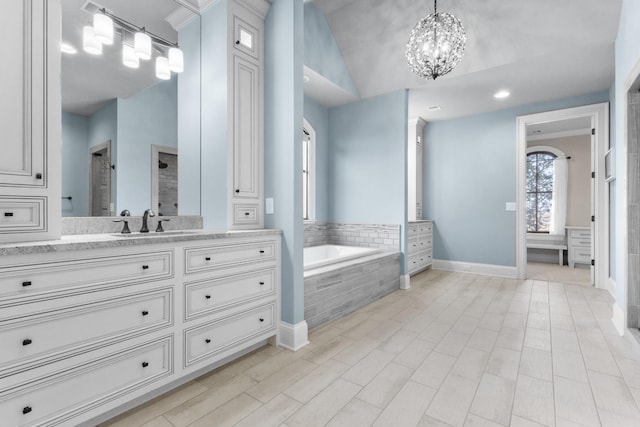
[(594, 234), (164, 180), (100, 179)]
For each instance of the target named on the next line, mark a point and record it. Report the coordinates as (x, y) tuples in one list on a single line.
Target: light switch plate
[(268, 205), (511, 206)]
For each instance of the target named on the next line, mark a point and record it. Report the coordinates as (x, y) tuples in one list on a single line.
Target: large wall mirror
[(120, 124)]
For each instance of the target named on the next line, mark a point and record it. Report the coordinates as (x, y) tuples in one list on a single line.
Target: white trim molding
[(618, 319), (475, 268), (405, 282), (293, 337)]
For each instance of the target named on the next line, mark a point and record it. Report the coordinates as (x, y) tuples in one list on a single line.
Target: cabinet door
[(246, 129), (22, 106)]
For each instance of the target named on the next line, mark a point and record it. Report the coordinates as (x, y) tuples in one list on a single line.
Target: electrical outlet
[(268, 205), (511, 206)]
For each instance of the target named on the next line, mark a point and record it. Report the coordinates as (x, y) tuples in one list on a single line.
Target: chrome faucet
[(147, 213)]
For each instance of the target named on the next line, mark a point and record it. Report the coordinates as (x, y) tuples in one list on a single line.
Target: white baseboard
[(294, 337), (618, 319), (473, 268), (405, 281)]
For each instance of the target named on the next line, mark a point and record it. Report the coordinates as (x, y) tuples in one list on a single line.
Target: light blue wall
[(214, 96), (368, 162), (318, 118), (284, 51), (103, 126), (149, 117), (321, 52), (189, 121), (627, 56), (470, 173), (75, 164)]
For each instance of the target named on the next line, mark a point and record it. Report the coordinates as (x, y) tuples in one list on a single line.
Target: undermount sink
[(159, 234)]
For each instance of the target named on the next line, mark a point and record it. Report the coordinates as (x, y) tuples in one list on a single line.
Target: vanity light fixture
[(103, 28), (501, 94), (89, 43), (436, 44), (141, 46)]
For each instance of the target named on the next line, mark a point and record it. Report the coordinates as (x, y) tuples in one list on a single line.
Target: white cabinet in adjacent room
[(30, 121)]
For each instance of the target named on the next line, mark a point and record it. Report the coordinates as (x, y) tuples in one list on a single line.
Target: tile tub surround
[(455, 349), (105, 224), (333, 292), (385, 236)]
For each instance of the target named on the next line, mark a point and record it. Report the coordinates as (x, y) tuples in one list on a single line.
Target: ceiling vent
[(90, 7), (435, 108)]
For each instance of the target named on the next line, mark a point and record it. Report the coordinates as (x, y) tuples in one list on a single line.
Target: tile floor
[(454, 350), (559, 273)]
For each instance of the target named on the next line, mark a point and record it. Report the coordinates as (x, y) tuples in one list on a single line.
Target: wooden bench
[(547, 244)]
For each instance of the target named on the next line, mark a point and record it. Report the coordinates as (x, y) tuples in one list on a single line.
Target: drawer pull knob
[(145, 312), (27, 283), (261, 283), (38, 175), (26, 410), (237, 41), (262, 319), (145, 364), (247, 213), (145, 267), (207, 296), (261, 251), (26, 341), (8, 214), (208, 258), (237, 191), (208, 341)]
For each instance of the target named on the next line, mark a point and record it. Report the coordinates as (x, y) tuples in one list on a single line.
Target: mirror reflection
[(119, 122)]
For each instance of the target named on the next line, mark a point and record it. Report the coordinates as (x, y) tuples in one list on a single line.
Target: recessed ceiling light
[(501, 94), (306, 78), (67, 48)]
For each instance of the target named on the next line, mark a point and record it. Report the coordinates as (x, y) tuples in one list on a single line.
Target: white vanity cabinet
[(85, 332), (420, 253), (30, 121), (246, 113)]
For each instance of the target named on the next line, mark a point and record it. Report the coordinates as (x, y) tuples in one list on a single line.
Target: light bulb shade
[(163, 72), (103, 28), (142, 46), (89, 43), (436, 45), (176, 60), (129, 57)]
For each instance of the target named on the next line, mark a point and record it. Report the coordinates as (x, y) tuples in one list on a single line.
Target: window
[(540, 177), (308, 172)]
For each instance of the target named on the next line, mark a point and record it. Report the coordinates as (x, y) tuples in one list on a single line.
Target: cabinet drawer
[(412, 230), (246, 37), (425, 244), (580, 234), (580, 241), (49, 334), (22, 214), (54, 276), (214, 257), (424, 259), (413, 263), (245, 214), (581, 256), (425, 228), (70, 392), (213, 295), (214, 338), (413, 245)]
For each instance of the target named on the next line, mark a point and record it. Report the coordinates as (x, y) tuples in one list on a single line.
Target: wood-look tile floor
[(454, 350)]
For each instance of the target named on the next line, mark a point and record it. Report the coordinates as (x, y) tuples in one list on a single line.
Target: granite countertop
[(97, 241)]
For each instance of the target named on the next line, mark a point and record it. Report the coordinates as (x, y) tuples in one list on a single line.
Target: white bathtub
[(319, 256)]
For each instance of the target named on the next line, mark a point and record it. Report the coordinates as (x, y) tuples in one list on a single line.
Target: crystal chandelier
[(436, 44)]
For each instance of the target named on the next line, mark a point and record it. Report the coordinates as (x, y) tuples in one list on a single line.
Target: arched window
[(539, 191)]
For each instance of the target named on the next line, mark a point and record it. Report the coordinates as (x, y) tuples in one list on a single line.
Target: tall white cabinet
[(30, 121), (246, 113), (415, 168)]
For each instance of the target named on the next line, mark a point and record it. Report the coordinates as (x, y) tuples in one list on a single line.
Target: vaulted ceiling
[(537, 49)]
